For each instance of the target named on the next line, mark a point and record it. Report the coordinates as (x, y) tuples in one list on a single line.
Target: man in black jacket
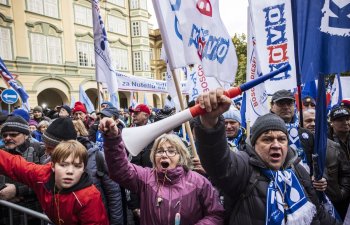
[(265, 182)]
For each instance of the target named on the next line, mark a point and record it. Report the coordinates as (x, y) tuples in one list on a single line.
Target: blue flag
[(309, 90), (85, 100), (9, 79), (115, 100), (321, 126), (323, 33)]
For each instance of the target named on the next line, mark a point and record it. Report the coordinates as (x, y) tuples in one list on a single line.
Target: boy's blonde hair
[(174, 140), (65, 148)]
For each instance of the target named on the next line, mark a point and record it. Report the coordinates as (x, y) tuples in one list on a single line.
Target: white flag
[(205, 40), (273, 27), (105, 72), (256, 103)]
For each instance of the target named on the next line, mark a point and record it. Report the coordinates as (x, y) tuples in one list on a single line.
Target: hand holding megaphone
[(137, 138)]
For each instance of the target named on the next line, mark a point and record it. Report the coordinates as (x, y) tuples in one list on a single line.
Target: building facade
[(48, 44)]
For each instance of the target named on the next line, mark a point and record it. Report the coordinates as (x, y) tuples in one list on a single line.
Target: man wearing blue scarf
[(235, 133), (265, 182)]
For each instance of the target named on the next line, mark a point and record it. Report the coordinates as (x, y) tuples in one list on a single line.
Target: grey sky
[(233, 14)]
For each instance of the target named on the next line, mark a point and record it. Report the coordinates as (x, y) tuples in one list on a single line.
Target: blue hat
[(233, 114), (107, 103), (22, 113)]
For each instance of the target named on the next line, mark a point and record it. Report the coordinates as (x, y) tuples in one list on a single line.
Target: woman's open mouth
[(275, 156), (164, 164)]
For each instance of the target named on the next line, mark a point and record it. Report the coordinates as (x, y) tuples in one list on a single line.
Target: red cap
[(345, 102), (141, 108), (79, 106)]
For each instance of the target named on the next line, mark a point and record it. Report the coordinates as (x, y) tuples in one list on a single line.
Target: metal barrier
[(43, 218)]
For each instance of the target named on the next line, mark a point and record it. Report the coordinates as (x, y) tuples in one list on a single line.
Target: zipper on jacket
[(170, 199)]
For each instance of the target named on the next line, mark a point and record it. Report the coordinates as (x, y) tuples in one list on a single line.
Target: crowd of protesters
[(73, 166)]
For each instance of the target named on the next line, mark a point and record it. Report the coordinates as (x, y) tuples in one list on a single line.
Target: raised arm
[(120, 169), (18, 169), (228, 170)]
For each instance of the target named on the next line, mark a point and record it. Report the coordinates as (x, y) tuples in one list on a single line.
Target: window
[(120, 58), (118, 2), (3, 2), (151, 56), (135, 26), (144, 29), (164, 75), (152, 75), (46, 49), (137, 61), (83, 15), (44, 7), (143, 4), (145, 59), (86, 54), (134, 4), (5, 43), (116, 25)]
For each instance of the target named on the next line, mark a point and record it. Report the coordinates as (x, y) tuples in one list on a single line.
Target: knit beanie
[(79, 106), (107, 103), (22, 113), (61, 129), (15, 123), (33, 123), (38, 109), (67, 108), (164, 113), (265, 123), (233, 114)]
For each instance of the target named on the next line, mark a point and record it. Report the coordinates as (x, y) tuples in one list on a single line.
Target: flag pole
[(166, 44), (296, 57), (187, 124), (99, 96)]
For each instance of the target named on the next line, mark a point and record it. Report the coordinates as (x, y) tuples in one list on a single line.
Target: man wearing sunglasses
[(16, 137)]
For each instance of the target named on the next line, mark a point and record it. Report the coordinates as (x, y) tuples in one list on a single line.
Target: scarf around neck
[(286, 202)]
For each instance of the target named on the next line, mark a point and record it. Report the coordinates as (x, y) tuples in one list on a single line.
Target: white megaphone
[(137, 138)]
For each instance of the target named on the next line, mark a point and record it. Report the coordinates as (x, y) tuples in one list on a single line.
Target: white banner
[(345, 83), (136, 83), (104, 68), (273, 26), (198, 83), (256, 103)]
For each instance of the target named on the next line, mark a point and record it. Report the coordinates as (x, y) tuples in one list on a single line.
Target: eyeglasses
[(171, 152), (284, 102), (12, 135)]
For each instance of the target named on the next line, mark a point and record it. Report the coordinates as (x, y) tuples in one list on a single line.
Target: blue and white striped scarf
[(285, 190)]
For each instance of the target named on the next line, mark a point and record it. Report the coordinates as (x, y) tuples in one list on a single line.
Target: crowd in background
[(140, 189)]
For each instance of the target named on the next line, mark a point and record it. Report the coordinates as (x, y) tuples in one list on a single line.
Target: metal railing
[(43, 218)]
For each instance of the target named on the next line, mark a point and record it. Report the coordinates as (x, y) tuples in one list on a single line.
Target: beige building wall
[(58, 83)]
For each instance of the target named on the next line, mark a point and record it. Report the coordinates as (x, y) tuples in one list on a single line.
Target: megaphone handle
[(231, 93)]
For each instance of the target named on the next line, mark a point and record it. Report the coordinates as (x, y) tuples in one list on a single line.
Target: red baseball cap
[(141, 108)]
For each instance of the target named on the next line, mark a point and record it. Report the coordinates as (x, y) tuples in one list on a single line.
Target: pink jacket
[(187, 193)]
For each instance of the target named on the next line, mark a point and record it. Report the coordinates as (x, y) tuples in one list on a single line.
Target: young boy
[(64, 190)]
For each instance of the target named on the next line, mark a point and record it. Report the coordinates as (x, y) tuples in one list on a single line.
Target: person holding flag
[(265, 182)]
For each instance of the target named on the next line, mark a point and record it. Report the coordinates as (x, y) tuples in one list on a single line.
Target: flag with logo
[(256, 98), (323, 32), (105, 73), (85, 100), (336, 91), (115, 99), (205, 40), (133, 101), (273, 29), (10, 80)]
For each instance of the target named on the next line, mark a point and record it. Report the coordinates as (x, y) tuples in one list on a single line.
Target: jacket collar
[(85, 181), (172, 176)]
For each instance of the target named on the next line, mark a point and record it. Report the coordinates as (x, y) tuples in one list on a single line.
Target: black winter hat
[(265, 123), (67, 108), (61, 129), (15, 123), (164, 113)]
